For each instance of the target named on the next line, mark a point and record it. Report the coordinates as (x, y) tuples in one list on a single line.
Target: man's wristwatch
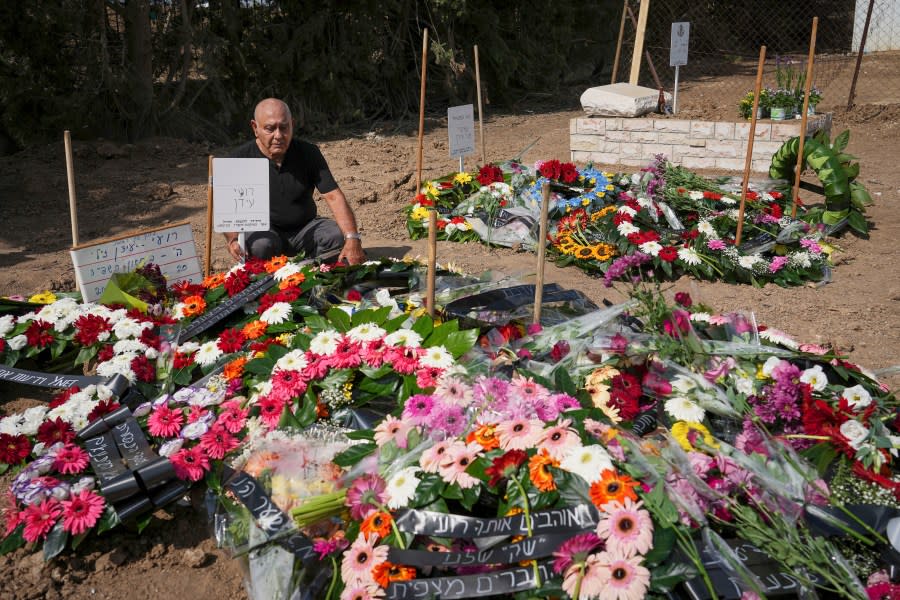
[(352, 236)]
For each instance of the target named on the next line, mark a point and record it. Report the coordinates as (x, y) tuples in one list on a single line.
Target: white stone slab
[(620, 100)]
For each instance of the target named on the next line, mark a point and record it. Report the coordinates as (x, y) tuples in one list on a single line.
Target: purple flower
[(418, 408), (777, 263), (447, 419), (621, 265), (715, 245)]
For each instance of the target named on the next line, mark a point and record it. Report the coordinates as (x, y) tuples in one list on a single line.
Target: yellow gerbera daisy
[(45, 297), (687, 432)]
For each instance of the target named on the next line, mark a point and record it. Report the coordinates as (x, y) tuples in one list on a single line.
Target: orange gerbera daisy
[(235, 368), (539, 470), (214, 280), (377, 522), (386, 572), (193, 306), (254, 329), (292, 280), (612, 487), (275, 263), (485, 436)]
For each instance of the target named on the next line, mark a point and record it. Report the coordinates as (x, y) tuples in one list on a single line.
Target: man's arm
[(233, 247), (346, 221)]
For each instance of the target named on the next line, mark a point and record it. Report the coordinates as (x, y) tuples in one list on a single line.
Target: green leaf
[(307, 414), (354, 454), (572, 488), (13, 541), (4, 467), (428, 491), (143, 522), (453, 492), (821, 455), (665, 577), (858, 222), (183, 377), (56, 541), (361, 434), (287, 419), (663, 540), (564, 383), (317, 323), (260, 366), (470, 496), (423, 326), (340, 319), (57, 347), (86, 354), (371, 316), (394, 324), (439, 334), (460, 342), (840, 142), (109, 520)]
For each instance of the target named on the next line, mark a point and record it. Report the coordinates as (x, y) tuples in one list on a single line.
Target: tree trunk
[(139, 67)]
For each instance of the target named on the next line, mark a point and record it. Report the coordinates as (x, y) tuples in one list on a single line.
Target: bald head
[(273, 127)]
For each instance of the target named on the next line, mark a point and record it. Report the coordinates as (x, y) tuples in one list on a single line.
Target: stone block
[(689, 150), (573, 126), (595, 125), (580, 141), (645, 137), (731, 164), (605, 158), (722, 148), (765, 149), (618, 136), (674, 138), (760, 166), (648, 151), (697, 143), (637, 124), (783, 130), (620, 100), (613, 124), (703, 129), (672, 125), (630, 150), (632, 162), (724, 131), (763, 131), (698, 162), (580, 156)]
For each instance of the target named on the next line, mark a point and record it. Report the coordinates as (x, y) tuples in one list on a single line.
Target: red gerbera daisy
[(190, 463), (38, 334), (13, 448), (89, 327), (54, 431), (230, 340)]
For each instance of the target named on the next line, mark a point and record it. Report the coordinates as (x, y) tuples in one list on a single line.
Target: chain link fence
[(725, 41)]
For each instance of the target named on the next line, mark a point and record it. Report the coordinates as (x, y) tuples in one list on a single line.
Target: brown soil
[(159, 181)]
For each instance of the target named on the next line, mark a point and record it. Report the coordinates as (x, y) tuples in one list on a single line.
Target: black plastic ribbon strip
[(507, 581), (133, 479), (222, 311), (117, 383), (270, 519), (540, 546), (556, 520)]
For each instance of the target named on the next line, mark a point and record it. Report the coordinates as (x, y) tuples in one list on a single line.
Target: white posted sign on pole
[(461, 126), (240, 194), (678, 52)]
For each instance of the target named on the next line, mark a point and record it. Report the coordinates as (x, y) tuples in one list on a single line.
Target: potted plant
[(745, 106), (781, 102), (815, 96)]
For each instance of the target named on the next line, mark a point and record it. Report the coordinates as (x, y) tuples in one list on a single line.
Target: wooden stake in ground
[(422, 111), (70, 175), (615, 69), (478, 93), (859, 55), (795, 198), (639, 42), (432, 262), (207, 257), (750, 137), (541, 249)]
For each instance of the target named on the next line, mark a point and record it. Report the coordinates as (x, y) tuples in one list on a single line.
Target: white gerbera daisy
[(437, 357), (689, 256), (695, 195), (208, 353), (683, 384), (651, 248), (681, 408), (295, 360), (366, 332), (325, 342), (402, 487), (625, 228), (588, 462), (403, 337), (286, 271), (857, 396), (626, 210), (700, 317), (815, 377), (748, 261), (187, 347), (276, 314), (776, 336), (7, 324), (706, 228)]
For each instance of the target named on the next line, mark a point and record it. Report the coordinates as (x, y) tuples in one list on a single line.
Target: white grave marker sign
[(678, 52), (461, 126), (240, 194)]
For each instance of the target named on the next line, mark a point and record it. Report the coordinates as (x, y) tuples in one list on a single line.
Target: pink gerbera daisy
[(417, 409), (392, 429), (432, 457), (364, 494), (233, 417), (627, 529), (81, 511), (40, 518), (190, 463), (575, 550), (217, 442), (165, 421), (427, 377), (373, 353), (70, 459), (558, 440), (458, 458), (528, 389), (359, 560), (453, 391), (403, 359), (362, 592), (628, 579), (347, 354), (519, 434), (270, 409)]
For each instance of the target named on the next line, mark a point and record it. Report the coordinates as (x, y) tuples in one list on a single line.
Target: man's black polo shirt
[(291, 204)]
